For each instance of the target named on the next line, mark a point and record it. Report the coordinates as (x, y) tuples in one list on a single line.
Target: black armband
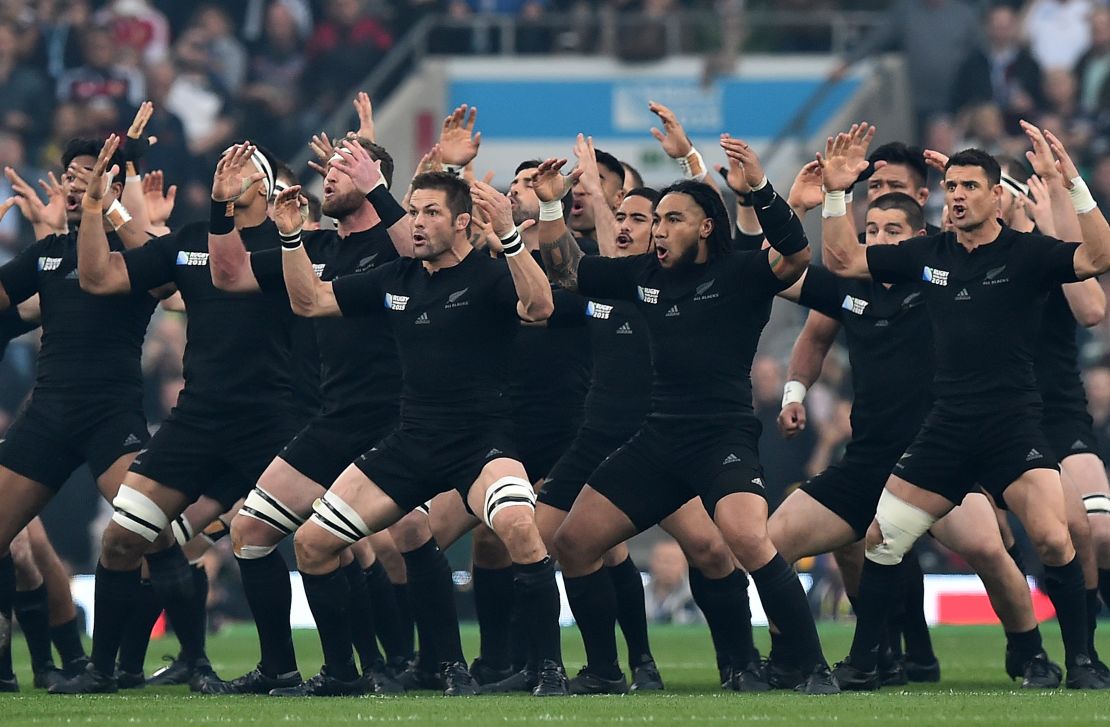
[(388, 208), (135, 149), (781, 226), (221, 219)]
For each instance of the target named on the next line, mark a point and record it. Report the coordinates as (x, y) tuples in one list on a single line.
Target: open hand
[(549, 184), (458, 144)]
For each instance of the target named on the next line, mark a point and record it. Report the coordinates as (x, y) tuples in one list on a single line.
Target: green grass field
[(974, 691)]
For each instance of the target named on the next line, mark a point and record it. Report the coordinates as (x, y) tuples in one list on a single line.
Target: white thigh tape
[(901, 524), (261, 505), (1097, 504), (138, 513), (507, 492), (339, 518)]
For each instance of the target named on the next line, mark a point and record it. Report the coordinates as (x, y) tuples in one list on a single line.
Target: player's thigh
[(377, 509), (971, 530), (449, 518), (593, 526), (802, 526), (23, 499)]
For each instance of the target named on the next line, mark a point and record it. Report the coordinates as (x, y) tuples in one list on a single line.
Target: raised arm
[(532, 287), (677, 145), (806, 360), (228, 259), (308, 295), (100, 270), (840, 168), (790, 252), (560, 251), (605, 223), (159, 202), (366, 174), (46, 219), (1093, 256), (134, 149)]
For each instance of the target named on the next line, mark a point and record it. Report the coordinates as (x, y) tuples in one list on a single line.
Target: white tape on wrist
[(761, 185), (835, 205), (117, 215), (688, 164), (793, 393), (1081, 197), (551, 211)]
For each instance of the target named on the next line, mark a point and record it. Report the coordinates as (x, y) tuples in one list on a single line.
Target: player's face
[(341, 196), (73, 187), (634, 225), (526, 205), (433, 225), (681, 229), (888, 227), (971, 199), (1008, 208), (894, 178), (581, 213)]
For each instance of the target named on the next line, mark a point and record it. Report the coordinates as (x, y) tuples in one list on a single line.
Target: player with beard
[(705, 308), (360, 387), (233, 415), (891, 353), (983, 425), (451, 309), (86, 406)]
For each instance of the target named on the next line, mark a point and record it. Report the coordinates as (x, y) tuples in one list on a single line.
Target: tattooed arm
[(560, 251)]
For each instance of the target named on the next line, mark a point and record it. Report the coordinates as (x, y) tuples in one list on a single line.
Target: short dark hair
[(284, 170), (720, 239), (79, 147), (898, 153), (977, 158), (1017, 169), (611, 163), (315, 209), (915, 215), (456, 189), (527, 164), (379, 154), (651, 195), (637, 178)]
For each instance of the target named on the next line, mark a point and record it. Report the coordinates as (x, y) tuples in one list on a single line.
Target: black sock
[(32, 613), (1093, 607), (786, 605), (67, 640), (266, 585), (329, 599), (172, 579), (725, 602), (631, 613), (388, 622), (404, 611), (115, 596), (7, 595), (433, 600), (363, 631), (880, 585), (537, 599), (136, 636), (1104, 585), (716, 631), (1064, 586), (594, 603), (520, 655), (1025, 644), (200, 596), (493, 598), (919, 645), (1018, 556)]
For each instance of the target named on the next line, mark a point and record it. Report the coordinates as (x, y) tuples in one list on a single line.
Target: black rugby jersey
[(358, 366), (91, 344), (238, 346)]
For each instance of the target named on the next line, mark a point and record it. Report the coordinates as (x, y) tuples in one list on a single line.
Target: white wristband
[(1081, 197), (761, 185), (834, 205), (848, 197), (133, 178), (117, 215), (687, 165), (551, 211), (793, 393)]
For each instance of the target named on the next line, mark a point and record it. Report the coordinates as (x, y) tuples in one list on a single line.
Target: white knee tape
[(901, 524), (339, 518), (182, 530), (138, 513), (1097, 504), (254, 552), (263, 506), (507, 492)]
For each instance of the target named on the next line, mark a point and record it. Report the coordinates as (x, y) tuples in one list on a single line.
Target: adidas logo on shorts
[(1033, 454), (494, 453), (731, 459), (1079, 444), (131, 439), (758, 481)]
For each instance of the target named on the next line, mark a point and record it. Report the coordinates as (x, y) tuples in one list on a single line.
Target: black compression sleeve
[(385, 205), (781, 226), (744, 241)]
